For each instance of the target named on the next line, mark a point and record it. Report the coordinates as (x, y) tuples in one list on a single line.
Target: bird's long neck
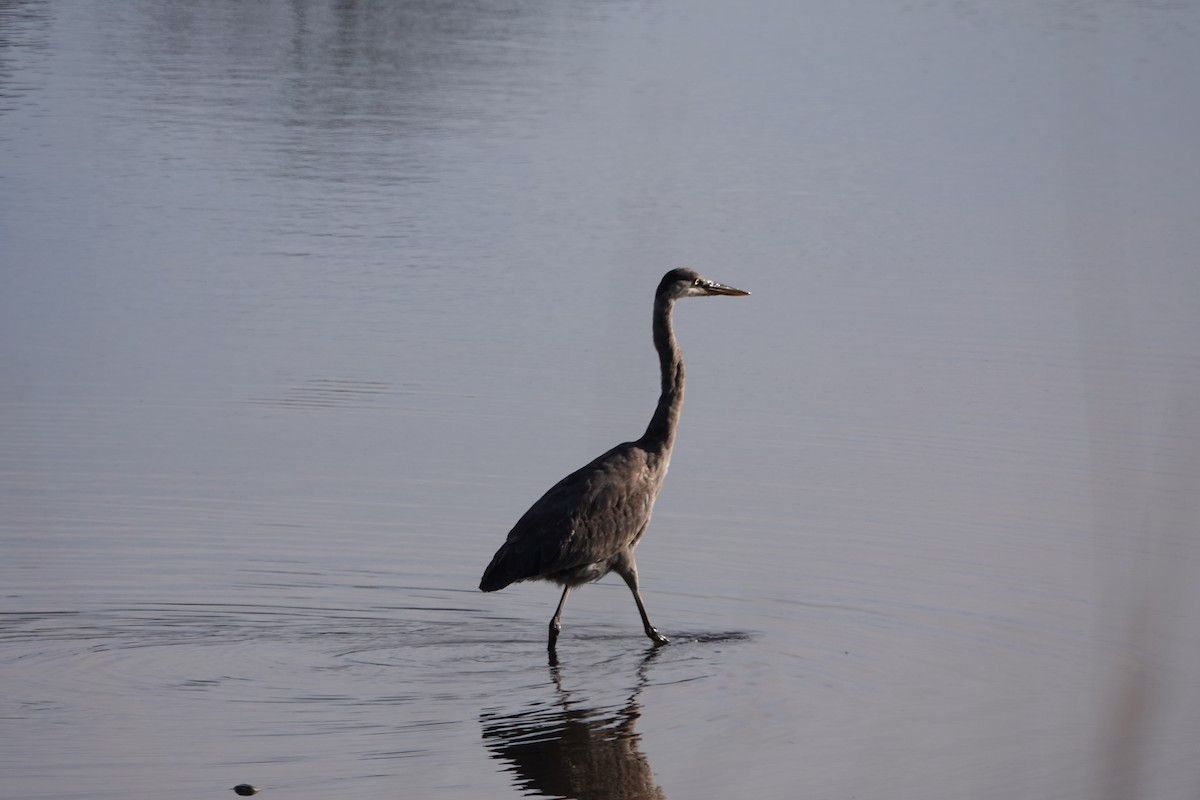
[(660, 433)]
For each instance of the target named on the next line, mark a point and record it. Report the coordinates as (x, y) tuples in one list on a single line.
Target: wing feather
[(587, 517)]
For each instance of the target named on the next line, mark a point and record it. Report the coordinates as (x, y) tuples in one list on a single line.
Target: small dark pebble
[(245, 789)]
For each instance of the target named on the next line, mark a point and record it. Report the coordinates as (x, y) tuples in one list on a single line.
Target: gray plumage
[(589, 523)]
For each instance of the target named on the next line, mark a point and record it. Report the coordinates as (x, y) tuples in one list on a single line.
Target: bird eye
[(698, 282)]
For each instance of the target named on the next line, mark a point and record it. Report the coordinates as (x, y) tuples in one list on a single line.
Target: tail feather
[(499, 573)]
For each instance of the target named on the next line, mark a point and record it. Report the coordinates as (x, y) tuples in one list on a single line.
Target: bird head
[(684, 282)]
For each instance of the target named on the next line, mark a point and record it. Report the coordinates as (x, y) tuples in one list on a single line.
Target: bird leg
[(556, 621), (627, 569)]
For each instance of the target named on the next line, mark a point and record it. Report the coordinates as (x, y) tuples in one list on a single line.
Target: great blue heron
[(589, 523)]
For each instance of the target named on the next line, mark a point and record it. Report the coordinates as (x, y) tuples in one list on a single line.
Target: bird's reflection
[(566, 750)]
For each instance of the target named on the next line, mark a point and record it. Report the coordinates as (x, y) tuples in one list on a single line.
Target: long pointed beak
[(711, 287)]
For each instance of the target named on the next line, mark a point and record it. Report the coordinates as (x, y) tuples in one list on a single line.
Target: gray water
[(303, 303)]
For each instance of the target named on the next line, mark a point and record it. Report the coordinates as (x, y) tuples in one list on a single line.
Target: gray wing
[(588, 516)]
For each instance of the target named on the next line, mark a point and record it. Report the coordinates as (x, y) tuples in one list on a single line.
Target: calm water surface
[(305, 302)]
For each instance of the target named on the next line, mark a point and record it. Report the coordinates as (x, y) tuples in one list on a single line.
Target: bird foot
[(657, 637)]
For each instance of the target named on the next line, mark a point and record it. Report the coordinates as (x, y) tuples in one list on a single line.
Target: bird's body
[(575, 531), (589, 523)]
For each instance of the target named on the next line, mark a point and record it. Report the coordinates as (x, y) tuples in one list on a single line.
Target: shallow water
[(305, 303)]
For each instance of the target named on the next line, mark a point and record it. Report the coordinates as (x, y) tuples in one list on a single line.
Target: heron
[(589, 523)]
